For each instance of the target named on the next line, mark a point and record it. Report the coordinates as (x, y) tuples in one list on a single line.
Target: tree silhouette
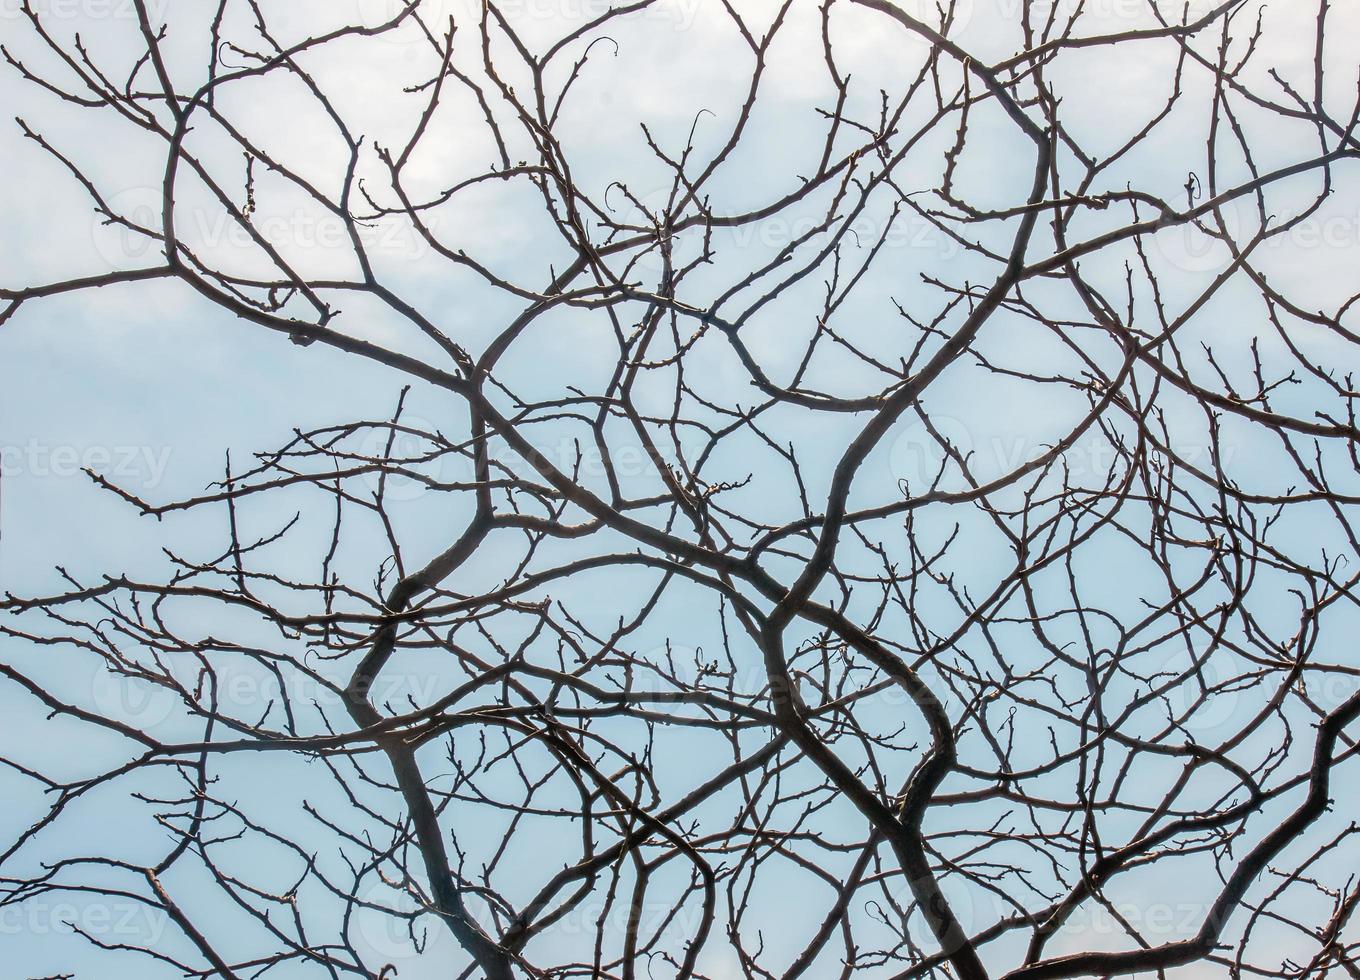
[(869, 489)]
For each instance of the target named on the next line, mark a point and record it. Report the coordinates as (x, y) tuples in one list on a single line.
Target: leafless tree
[(889, 521)]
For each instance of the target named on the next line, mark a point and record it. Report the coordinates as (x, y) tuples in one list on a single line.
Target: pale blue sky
[(153, 385)]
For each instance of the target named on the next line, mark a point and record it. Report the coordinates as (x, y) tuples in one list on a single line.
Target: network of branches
[(869, 489)]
